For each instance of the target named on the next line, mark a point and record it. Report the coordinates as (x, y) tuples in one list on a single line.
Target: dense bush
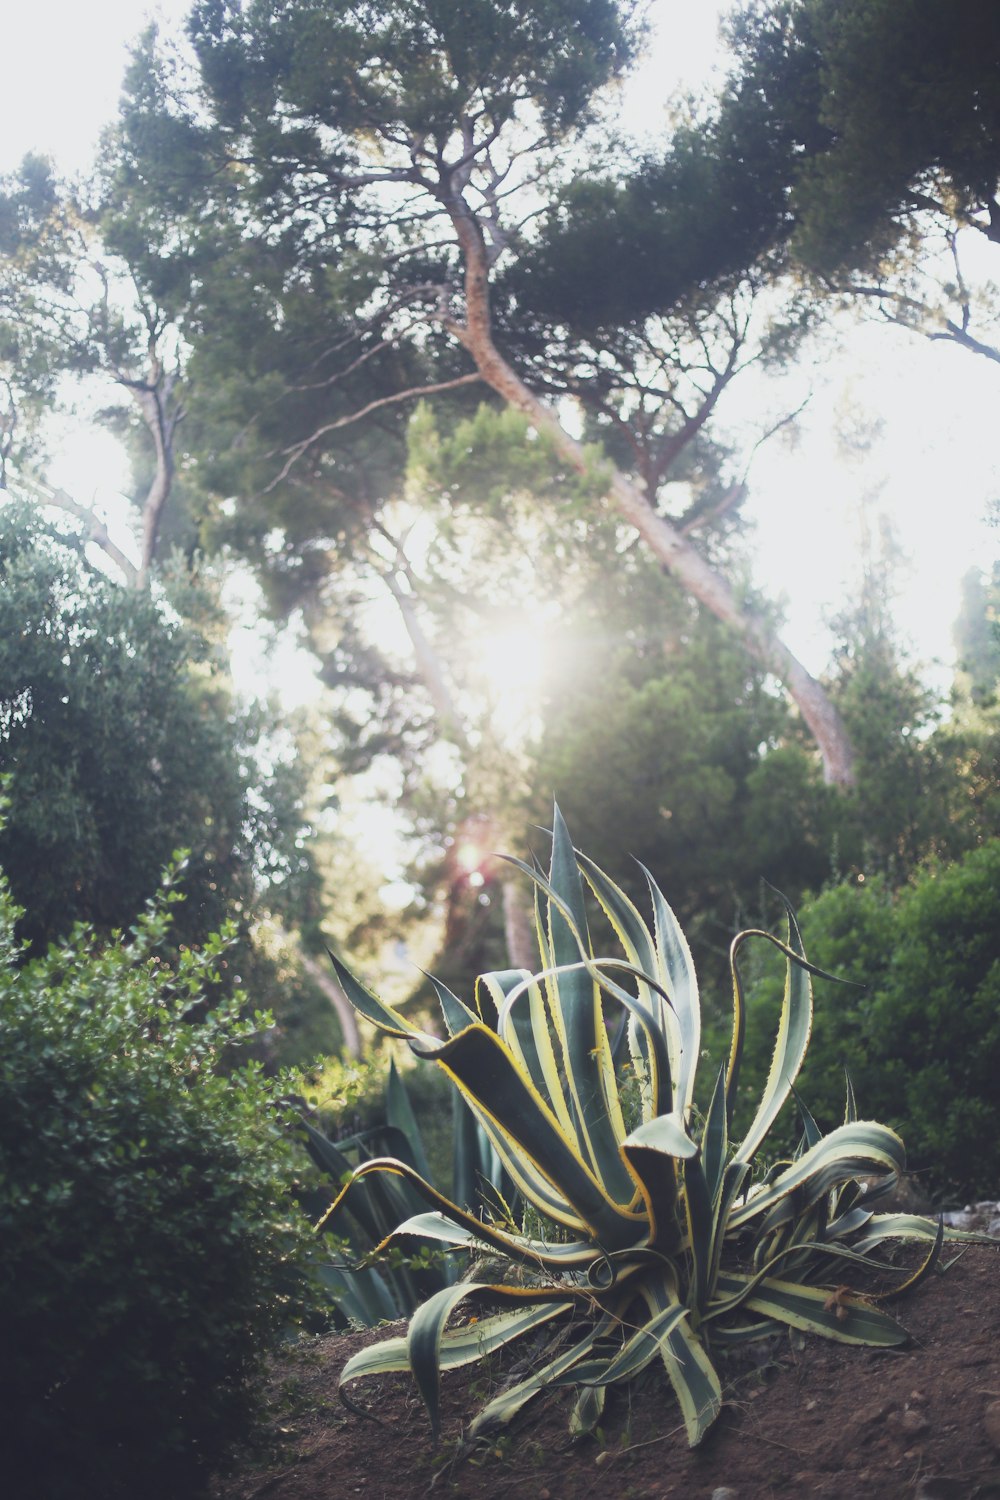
[(922, 1039), (150, 1251)]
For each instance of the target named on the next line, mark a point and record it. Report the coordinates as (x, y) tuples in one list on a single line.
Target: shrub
[(921, 1038), (150, 1251)]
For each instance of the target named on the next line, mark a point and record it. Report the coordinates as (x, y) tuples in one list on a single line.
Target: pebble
[(991, 1423), (913, 1422), (725, 1493)]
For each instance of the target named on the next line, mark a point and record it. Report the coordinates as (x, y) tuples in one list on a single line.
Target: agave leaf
[(644, 1345), (474, 1235), (640, 949), (368, 1005), (811, 1132), (652, 1151), (700, 1223), (688, 1367), (423, 1343), (848, 1151), (683, 1017), (794, 1027), (731, 1290), (399, 1114), (361, 1296), (850, 1103), (480, 1179), (847, 1223), (387, 1357), (733, 1177), (456, 1013), (849, 1319), (575, 1001), (526, 1029), (914, 1227), (715, 1137), (513, 1112), (373, 1213), (527, 1180), (735, 1060), (587, 1409), (923, 1270), (469, 1229), (504, 1407), (457, 1347), (667, 1133), (577, 1015)]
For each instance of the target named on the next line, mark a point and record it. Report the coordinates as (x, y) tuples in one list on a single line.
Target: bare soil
[(813, 1419)]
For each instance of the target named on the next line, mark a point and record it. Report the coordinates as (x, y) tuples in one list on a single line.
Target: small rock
[(913, 1422), (991, 1423), (725, 1493), (936, 1487)]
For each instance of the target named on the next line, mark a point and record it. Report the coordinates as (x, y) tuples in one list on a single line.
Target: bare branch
[(413, 393), (97, 531)]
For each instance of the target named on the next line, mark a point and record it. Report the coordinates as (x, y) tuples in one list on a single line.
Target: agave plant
[(366, 1286), (647, 1231)]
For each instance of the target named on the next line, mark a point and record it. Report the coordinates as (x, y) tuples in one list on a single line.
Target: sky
[(933, 469)]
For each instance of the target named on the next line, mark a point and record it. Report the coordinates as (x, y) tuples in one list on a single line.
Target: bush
[(150, 1251), (922, 1039)]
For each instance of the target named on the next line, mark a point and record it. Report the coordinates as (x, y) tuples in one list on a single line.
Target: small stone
[(725, 1493), (913, 1422), (991, 1423), (938, 1487)]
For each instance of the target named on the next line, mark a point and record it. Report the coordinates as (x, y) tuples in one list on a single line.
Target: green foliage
[(120, 746), (419, 1120), (151, 1254), (648, 1237), (352, 68), (897, 108), (921, 1038)]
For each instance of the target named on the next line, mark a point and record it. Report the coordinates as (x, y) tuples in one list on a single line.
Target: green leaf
[(850, 1320), (683, 1017), (849, 1151), (399, 1114), (514, 1113), (369, 1006), (794, 1027), (504, 1407)]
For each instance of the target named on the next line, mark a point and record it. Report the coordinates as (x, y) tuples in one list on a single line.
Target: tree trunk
[(664, 540), (153, 401), (518, 925)]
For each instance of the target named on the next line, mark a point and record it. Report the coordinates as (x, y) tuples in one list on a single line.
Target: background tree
[(475, 118), (119, 745)]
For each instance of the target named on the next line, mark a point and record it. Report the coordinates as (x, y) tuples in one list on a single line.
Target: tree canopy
[(384, 174)]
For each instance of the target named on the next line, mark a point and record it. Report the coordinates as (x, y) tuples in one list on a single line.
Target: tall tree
[(78, 297), (407, 152)]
